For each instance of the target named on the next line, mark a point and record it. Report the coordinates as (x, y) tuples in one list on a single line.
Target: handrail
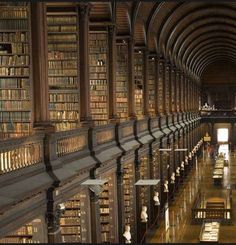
[(22, 152)]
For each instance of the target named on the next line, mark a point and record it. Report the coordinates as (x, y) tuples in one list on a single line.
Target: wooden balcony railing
[(20, 152)]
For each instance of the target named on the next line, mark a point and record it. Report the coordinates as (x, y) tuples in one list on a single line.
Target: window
[(222, 135)]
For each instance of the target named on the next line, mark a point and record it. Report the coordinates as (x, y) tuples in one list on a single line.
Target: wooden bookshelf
[(167, 89), (98, 76), (151, 86), (74, 221), (122, 80), (129, 198), (173, 90), (160, 92), (107, 204), (138, 82), (62, 35), (15, 72), (144, 174), (22, 235)]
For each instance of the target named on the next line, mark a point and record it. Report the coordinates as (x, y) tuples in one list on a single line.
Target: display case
[(108, 207), (128, 209), (74, 222), (210, 232), (122, 80), (98, 76), (63, 82), (139, 82), (151, 86), (15, 70)]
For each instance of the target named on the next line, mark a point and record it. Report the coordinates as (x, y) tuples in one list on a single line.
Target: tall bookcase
[(151, 86), (62, 35), (15, 72), (129, 198), (173, 90), (74, 222), (160, 93), (144, 174), (122, 79), (108, 207), (22, 235), (138, 82), (167, 88), (98, 76)]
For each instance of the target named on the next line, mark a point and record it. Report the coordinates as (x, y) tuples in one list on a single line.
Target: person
[(127, 234)]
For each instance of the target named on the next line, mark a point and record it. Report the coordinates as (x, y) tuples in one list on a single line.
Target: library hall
[(117, 121)]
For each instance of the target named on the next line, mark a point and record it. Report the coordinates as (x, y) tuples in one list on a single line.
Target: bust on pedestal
[(172, 178), (144, 216), (156, 198), (166, 189), (182, 165), (178, 171), (127, 234)]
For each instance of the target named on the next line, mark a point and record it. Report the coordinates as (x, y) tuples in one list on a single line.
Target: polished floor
[(180, 228)]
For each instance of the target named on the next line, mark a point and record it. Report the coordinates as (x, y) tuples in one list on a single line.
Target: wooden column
[(40, 66), (131, 105), (145, 84), (85, 115), (112, 71)]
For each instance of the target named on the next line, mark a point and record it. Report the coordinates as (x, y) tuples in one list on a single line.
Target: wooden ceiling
[(188, 34)]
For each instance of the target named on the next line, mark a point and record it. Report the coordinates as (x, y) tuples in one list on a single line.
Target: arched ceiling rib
[(189, 34)]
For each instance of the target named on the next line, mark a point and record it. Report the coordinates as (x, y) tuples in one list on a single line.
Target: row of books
[(98, 105), (98, 82), (67, 72), (61, 126), (64, 106), (15, 105), (13, 13), (14, 127), (98, 111), (70, 221), (57, 55), (97, 97), (14, 71), (62, 28), (14, 83), (62, 20), (14, 94), (98, 50), (64, 64), (67, 47), (17, 36), (10, 24), (61, 38), (64, 115), (97, 69), (71, 238), (19, 116), (70, 230), (15, 48), (16, 60), (63, 97), (63, 81)]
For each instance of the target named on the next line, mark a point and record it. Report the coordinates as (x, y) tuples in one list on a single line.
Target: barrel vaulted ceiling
[(190, 35)]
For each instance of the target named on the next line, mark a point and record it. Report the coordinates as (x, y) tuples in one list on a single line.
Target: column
[(173, 90), (40, 66), (131, 105), (112, 71), (95, 218), (156, 85), (177, 85), (84, 10), (145, 84)]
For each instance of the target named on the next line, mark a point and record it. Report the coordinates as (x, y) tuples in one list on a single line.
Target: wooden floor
[(181, 230)]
